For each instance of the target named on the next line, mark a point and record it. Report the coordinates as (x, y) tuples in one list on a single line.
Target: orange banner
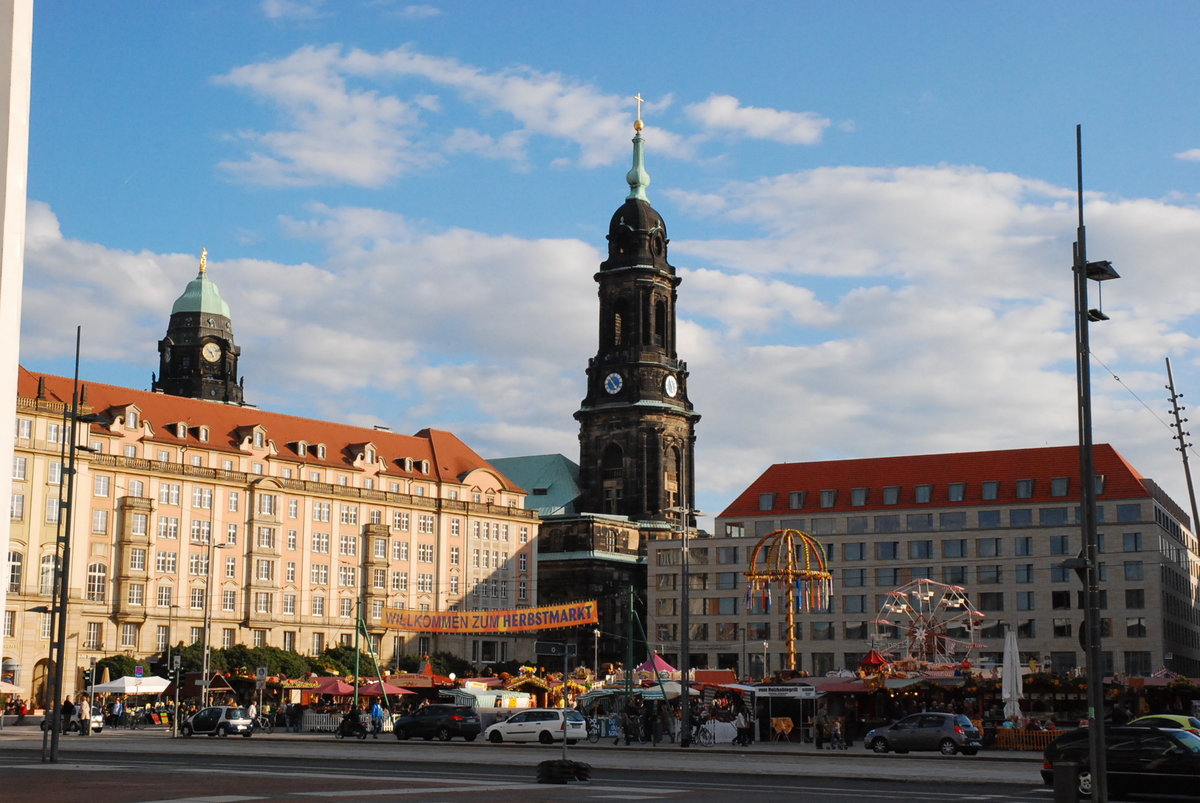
[(516, 621)]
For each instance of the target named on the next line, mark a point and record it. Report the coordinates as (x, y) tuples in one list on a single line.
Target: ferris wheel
[(928, 622)]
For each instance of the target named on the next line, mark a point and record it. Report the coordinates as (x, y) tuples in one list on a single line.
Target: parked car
[(218, 720), (443, 721), (73, 725), (1145, 759), (545, 725), (947, 733), (1169, 721)]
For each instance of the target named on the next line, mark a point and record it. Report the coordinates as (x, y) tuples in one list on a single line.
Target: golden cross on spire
[(637, 124), (203, 259)]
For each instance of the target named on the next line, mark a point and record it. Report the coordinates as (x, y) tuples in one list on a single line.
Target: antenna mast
[(1183, 446)]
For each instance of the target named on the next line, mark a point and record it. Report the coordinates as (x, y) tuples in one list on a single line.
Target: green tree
[(118, 666), (445, 663)]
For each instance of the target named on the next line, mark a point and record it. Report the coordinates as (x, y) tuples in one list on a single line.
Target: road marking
[(209, 799)]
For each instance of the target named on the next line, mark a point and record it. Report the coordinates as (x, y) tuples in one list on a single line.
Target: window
[(954, 548), (264, 569), (1060, 544), (991, 601), (989, 574), (891, 495), (137, 594), (1060, 600), (318, 606), (425, 524), (266, 504), (321, 511), (1131, 542), (454, 556), (1060, 486), (919, 522), (988, 548), (400, 581), (293, 504), (1020, 517), (796, 499), (16, 507), (853, 577), (990, 490), (957, 491), (100, 484), (1024, 572), (989, 518), (1135, 627), (168, 527), (15, 559), (137, 559), (923, 494), (99, 521), (854, 550), (165, 596), (1026, 601), (168, 494), (400, 521), (198, 564), (139, 523), (91, 641), (887, 577), (1024, 489), (202, 498), (858, 497), (952, 520), (349, 514), (229, 600), (201, 532), (292, 539), (53, 508), (1135, 598), (319, 574), (1129, 512), (379, 578), (97, 582), (828, 498), (348, 545), (887, 524), (425, 553), (346, 608), (266, 537), (263, 601), (320, 543), (348, 576), (766, 501), (1133, 570), (1053, 516), (1062, 628), (1023, 546), (25, 428)]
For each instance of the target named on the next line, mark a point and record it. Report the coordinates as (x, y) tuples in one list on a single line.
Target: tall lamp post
[(1086, 563), (766, 644), (206, 669), (686, 516), (596, 654)]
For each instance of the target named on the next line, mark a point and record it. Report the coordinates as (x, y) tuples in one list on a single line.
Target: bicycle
[(593, 730), (702, 735), (264, 723)]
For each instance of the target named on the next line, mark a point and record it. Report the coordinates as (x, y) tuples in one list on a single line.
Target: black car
[(442, 721), (1142, 759)]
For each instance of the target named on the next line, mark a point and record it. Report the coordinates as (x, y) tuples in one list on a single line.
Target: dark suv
[(1162, 760), (932, 730), (441, 721)]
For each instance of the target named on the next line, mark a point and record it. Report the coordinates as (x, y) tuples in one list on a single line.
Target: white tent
[(151, 684), (1011, 681)]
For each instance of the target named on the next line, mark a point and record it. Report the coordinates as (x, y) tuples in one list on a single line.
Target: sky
[(871, 205)]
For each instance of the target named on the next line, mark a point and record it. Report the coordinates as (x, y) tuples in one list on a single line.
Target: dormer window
[(924, 494), (424, 466), (370, 455), (408, 464), (181, 431), (858, 497), (957, 491), (202, 433), (828, 498), (131, 419), (260, 439), (891, 495), (796, 499), (302, 448), (320, 451)]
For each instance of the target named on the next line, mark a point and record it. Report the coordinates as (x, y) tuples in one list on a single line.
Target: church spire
[(637, 177)]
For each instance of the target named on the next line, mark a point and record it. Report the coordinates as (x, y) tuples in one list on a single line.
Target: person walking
[(68, 711), (85, 717), (376, 720), (742, 723)]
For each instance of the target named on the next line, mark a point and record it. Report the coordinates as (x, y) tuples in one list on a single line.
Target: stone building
[(996, 523)]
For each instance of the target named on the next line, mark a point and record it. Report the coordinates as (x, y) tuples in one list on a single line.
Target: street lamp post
[(206, 669), (766, 644), (686, 514), (596, 654), (1086, 564)]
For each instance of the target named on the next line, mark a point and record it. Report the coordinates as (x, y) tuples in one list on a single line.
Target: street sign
[(260, 684), (554, 648), (801, 692), (262, 674), (176, 661), (139, 671)]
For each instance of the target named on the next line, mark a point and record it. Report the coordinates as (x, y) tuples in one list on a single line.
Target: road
[(148, 766)]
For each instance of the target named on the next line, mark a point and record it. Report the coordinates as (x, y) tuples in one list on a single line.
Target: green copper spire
[(637, 177), (201, 295)]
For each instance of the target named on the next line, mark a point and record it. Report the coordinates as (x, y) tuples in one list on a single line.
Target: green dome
[(201, 294)]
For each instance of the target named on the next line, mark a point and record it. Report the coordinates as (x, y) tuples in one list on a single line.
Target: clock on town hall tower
[(198, 357), (636, 425)]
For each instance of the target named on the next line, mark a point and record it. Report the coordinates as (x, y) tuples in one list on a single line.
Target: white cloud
[(724, 113), (292, 9), (1192, 155), (417, 12)]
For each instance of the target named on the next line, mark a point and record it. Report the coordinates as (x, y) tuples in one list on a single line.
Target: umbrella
[(105, 677), (334, 686), (1011, 685), (656, 664), (151, 684), (382, 687), (8, 688)]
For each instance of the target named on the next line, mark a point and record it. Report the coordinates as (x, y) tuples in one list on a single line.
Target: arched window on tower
[(620, 318), (671, 484), (660, 323), (612, 479)]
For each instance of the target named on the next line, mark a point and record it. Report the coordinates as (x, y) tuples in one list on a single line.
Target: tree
[(118, 667)]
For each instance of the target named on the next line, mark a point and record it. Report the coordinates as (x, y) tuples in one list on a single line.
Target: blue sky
[(871, 206)]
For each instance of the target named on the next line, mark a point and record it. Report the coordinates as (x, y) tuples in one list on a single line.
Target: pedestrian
[(22, 710), (376, 720), (85, 717), (252, 711), (820, 728), (68, 711), (742, 723)]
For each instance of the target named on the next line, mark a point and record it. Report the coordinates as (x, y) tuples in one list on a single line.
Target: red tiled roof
[(1007, 466), (449, 458)]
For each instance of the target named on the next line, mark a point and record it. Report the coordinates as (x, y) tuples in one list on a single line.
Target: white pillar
[(16, 49)]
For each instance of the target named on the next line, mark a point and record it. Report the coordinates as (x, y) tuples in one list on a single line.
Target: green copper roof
[(201, 295), (637, 176)]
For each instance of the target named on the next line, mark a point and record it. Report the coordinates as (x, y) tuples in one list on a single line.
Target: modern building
[(190, 507), (635, 478), (998, 524)]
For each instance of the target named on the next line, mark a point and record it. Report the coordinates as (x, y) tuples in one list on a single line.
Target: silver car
[(946, 733)]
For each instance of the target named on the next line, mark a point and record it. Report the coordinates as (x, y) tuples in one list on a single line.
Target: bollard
[(1066, 781)]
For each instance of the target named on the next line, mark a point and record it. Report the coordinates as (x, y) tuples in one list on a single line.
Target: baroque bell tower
[(198, 357), (636, 424)]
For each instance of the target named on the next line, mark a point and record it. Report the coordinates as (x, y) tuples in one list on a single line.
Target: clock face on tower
[(211, 352), (613, 383), (670, 385)]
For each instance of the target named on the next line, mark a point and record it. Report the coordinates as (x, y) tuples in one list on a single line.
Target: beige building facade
[(995, 524), (271, 525)]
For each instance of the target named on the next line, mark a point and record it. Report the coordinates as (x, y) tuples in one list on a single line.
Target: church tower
[(198, 357), (636, 424)]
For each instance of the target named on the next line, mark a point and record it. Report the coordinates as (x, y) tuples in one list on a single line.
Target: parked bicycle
[(702, 734), (264, 723), (593, 730)]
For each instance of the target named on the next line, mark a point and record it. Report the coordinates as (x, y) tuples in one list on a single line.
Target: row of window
[(923, 493)]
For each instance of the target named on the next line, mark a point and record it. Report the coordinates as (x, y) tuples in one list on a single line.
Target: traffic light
[(87, 678)]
